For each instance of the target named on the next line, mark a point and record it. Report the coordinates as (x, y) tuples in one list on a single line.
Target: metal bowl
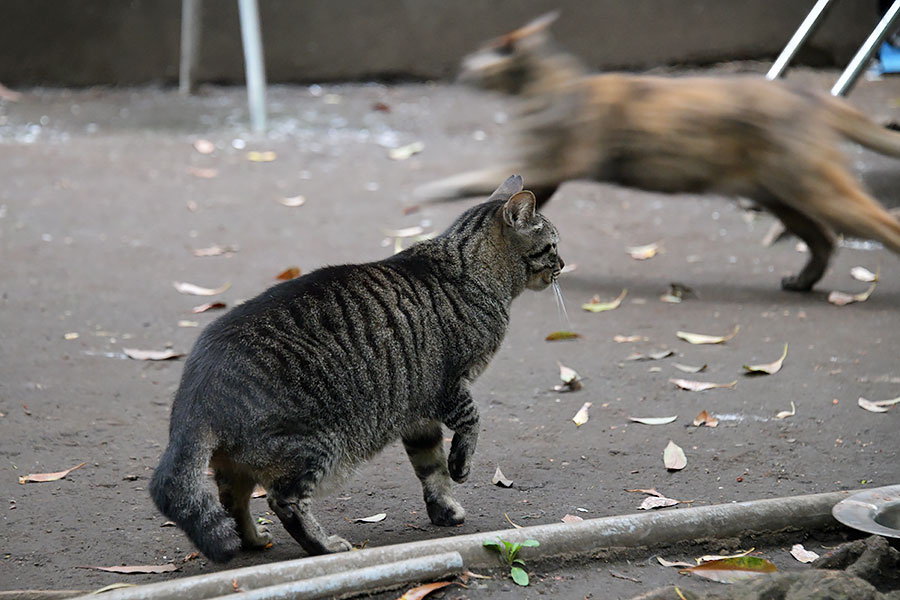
[(873, 511)]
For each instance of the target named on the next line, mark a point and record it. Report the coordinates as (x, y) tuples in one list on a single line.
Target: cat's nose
[(560, 263)]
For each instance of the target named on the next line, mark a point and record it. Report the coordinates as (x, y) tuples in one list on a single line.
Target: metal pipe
[(190, 45), (251, 37), (848, 78), (635, 530), (798, 39), (369, 579)]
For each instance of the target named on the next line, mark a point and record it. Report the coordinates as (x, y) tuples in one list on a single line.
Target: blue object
[(889, 58)]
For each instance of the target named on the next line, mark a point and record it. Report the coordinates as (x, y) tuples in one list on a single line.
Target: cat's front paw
[(336, 543), (458, 467), (446, 512), (259, 541)]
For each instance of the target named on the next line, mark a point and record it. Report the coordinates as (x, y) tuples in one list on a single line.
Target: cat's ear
[(538, 25), (518, 212), (509, 187)]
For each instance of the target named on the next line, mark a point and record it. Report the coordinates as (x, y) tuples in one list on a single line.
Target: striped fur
[(737, 136), (296, 386)]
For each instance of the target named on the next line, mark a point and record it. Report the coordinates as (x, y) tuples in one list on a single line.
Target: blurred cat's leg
[(235, 489), (425, 448), (461, 416), (819, 241), (290, 496)]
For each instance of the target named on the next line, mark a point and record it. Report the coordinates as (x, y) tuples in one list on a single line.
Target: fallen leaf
[(673, 457), (653, 420), (658, 355), (136, 354), (651, 491), (215, 250), (863, 274), (135, 570), (203, 173), (877, 406), (619, 339), (289, 273), (381, 107), (71, 336), (688, 368), (204, 146), (264, 156), (768, 368), (702, 338), (700, 386), (373, 519), (731, 570), (618, 575), (196, 290), (651, 502), (571, 519), (184, 323), (500, 480), (802, 554), (190, 556), (44, 477), (704, 418), (596, 306), (842, 298), (643, 252), (787, 413), (711, 557), (404, 152), (562, 335), (676, 293), (169, 524), (258, 492), (511, 521), (670, 563), (468, 573), (113, 586), (200, 308), (581, 417), (419, 592), (293, 201), (571, 381)]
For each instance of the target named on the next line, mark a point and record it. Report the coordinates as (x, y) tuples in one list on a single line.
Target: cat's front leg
[(462, 417)]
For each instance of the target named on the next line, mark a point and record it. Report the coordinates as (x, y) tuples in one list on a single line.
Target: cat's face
[(504, 64), (534, 239)]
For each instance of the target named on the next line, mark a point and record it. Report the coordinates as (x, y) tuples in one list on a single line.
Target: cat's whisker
[(560, 303)]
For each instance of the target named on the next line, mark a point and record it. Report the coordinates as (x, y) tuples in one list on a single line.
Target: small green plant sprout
[(509, 551)]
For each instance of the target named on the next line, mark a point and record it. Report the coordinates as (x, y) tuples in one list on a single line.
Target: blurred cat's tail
[(856, 126), (181, 493)]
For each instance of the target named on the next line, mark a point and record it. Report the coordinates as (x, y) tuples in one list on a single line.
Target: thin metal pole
[(190, 44), (798, 39), (253, 62), (848, 78)]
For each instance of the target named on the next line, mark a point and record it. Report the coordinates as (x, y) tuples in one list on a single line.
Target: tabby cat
[(744, 137), (295, 387)]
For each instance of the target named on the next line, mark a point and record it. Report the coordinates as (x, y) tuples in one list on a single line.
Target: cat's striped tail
[(181, 493)]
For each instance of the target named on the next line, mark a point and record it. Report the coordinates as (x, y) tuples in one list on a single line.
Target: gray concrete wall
[(85, 42)]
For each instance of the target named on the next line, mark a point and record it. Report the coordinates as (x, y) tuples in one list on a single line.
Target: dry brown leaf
[(863, 274), (571, 519), (204, 146), (787, 413), (700, 386), (72, 335), (45, 477), (657, 355), (186, 323), (258, 492), (670, 563), (651, 491), (571, 380), (136, 354), (372, 519), (404, 152), (688, 368), (581, 417), (802, 554), (215, 250), (877, 406), (713, 557), (137, 569), (293, 201), (643, 252), (673, 457), (203, 173), (653, 420), (500, 480), (557, 336), (702, 338), (676, 293), (651, 502), (200, 308), (510, 521), (264, 156), (595, 305), (842, 298), (419, 592), (289, 273), (704, 418), (619, 339), (190, 557), (768, 368), (196, 290), (732, 570)]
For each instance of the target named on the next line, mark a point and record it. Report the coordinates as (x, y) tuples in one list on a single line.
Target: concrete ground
[(104, 198)]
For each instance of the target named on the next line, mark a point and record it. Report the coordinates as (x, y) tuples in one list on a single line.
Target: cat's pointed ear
[(509, 187), (518, 212), (538, 25)]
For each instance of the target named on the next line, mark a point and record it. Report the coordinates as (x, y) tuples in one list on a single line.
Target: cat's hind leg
[(425, 448), (819, 240), (235, 488), (290, 497)]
